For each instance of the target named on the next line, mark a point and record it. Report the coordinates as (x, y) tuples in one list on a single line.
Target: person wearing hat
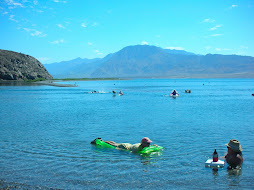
[(145, 142), (234, 156)]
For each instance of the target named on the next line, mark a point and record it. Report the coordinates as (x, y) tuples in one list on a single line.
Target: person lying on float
[(145, 142)]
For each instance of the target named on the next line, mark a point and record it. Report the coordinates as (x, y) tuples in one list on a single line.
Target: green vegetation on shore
[(85, 79)]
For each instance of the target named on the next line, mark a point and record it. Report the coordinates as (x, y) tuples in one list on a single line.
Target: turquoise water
[(46, 132)]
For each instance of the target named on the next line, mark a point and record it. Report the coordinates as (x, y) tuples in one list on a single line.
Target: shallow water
[(46, 133)]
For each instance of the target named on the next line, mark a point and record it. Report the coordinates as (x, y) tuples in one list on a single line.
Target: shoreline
[(87, 79), (51, 83)]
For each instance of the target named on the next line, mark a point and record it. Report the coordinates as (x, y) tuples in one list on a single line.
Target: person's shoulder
[(135, 147), (137, 144)]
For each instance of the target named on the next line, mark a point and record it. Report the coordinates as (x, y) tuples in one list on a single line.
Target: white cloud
[(176, 48), (90, 44), (98, 52), (59, 1), (11, 2), (144, 43), (216, 27), (57, 41), (232, 7), (216, 34), (41, 59), (208, 47), (12, 18), (244, 47), (37, 33), (34, 32), (158, 36), (208, 20), (83, 25), (60, 26), (222, 49)]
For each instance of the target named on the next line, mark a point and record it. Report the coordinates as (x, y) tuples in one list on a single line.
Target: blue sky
[(61, 30)]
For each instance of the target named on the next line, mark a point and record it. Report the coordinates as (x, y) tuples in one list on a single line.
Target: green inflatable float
[(145, 150)]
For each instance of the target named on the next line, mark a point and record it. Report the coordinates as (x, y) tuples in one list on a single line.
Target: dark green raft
[(146, 150)]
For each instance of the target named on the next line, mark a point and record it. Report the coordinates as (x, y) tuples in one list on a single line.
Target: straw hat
[(234, 145)]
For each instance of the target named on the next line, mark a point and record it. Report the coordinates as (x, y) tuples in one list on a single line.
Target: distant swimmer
[(174, 93), (120, 93), (114, 92)]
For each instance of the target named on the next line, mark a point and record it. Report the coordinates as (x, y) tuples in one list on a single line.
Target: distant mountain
[(76, 68), (150, 61), (18, 66)]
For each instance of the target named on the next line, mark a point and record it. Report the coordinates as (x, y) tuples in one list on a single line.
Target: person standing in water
[(234, 156)]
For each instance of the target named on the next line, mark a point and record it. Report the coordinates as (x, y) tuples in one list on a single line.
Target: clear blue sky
[(61, 30)]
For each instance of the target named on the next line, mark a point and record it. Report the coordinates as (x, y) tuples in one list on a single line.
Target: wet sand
[(51, 83)]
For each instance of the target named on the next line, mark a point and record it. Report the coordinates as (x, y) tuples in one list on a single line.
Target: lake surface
[(45, 134)]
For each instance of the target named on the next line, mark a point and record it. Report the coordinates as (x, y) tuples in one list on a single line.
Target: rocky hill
[(18, 66)]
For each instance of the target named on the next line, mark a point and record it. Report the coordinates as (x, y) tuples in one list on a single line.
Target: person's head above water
[(234, 156), (145, 142), (234, 145)]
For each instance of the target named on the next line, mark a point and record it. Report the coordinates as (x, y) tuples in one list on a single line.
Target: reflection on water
[(17, 83), (215, 171), (234, 172), (234, 177)]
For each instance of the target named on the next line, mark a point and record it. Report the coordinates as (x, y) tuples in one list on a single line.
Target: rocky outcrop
[(18, 66)]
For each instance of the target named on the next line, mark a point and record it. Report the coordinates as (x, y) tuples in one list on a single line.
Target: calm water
[(45, 134)]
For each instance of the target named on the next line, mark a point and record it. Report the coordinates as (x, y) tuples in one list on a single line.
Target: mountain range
[(144, 61)]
